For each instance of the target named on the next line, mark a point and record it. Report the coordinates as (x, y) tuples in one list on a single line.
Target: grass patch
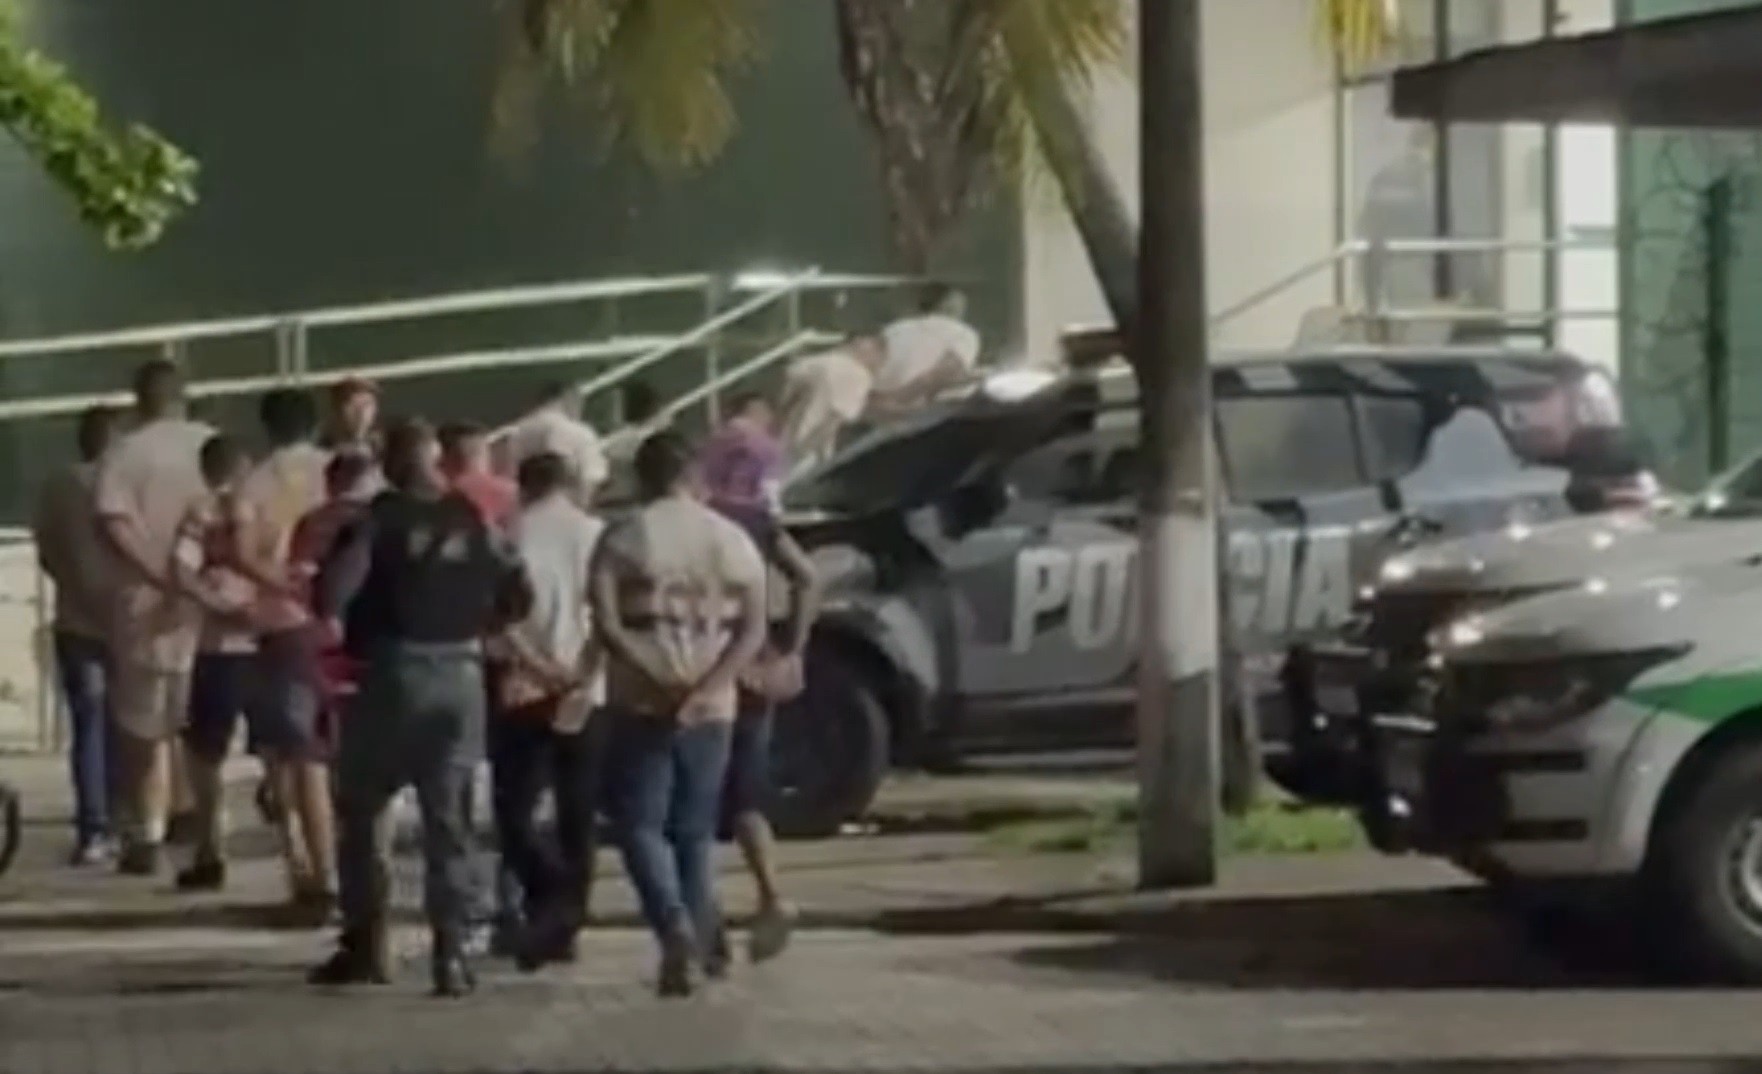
[(1272, 826)]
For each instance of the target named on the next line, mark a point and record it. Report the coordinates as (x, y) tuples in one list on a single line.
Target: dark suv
[(980, 557)]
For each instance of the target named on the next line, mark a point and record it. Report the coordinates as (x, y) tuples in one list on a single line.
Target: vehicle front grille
[(1400, 622)]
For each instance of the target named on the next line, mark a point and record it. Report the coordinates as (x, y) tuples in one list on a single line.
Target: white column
[(1585, 178)]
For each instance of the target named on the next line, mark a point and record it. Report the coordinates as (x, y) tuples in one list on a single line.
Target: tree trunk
[(1177, 662), (1092, 196)]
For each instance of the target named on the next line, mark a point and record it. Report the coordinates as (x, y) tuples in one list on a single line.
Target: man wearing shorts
[(283, 705), (202, 563), (740, 468), (145, 486)]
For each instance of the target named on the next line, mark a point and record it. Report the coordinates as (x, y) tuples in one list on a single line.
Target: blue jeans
[(84, 665), (666, 784)]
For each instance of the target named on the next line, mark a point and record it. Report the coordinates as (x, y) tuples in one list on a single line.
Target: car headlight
[(1397, 569), (1535, 694)]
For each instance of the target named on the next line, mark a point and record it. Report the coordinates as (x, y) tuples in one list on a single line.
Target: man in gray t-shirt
[(677, 592)]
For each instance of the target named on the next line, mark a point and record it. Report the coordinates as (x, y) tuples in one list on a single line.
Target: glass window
[(1394, 432), (1280, 446), (1091, 469)]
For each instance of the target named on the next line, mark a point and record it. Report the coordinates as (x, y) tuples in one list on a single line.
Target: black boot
[(362, 956), (548, 939), (207, 873), (678, 953)]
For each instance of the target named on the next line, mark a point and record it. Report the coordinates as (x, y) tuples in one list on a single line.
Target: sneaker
[(207, 874), (139, 859), (98, 850), (771, 930)]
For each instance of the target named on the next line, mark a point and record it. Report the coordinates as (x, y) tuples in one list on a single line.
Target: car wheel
[(1706, 876), (829, 748), (11, 826)]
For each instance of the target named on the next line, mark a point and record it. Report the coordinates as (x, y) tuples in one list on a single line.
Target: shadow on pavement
[(1405, 941), (241, 916)]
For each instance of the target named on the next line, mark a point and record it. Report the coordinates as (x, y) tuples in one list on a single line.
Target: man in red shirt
[(466, 463)]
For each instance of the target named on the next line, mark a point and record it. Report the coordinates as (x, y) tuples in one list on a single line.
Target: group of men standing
[(380, 612)]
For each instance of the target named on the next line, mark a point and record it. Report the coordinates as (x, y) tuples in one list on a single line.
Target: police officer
[(417, 583)]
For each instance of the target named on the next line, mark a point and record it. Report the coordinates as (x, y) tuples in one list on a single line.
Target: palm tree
[(126, 185), (962, 98)]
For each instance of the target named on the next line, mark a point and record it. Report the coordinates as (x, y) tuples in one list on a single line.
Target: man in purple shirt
[(742, 466), (741, 471)]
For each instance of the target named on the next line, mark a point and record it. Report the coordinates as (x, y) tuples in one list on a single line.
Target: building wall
[(1269, 175)]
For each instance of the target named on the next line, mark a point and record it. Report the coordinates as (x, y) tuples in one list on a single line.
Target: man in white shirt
[(145, 487), (825, 392), (549, 681), (927, 353), (556, 428)]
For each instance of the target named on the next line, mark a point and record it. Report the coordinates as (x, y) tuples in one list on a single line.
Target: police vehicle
[(979, 556), (1610, 730)]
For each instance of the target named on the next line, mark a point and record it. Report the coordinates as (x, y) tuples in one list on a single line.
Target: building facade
[(1302, 158)]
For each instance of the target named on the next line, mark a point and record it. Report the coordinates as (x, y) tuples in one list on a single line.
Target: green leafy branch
[(127, 186)]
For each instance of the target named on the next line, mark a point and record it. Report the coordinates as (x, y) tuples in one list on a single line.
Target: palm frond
[(1034, 54), (1358, 33), (656, 72)]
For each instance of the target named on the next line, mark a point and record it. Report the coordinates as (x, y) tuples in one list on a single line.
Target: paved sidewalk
[(193, 1002), (927, 951)]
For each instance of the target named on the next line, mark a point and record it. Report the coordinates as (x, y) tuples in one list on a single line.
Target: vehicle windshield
[(1737, 493)]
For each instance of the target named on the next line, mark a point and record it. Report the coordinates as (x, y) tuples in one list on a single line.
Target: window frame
[(1226, 466), (1362, 423)]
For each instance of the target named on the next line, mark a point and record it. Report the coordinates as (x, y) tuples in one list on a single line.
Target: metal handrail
[(702, 333), (393, 309), (433, 365), (768, 357)]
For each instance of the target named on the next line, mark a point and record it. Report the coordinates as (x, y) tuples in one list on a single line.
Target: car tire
[(1704, 882), (829, 748)]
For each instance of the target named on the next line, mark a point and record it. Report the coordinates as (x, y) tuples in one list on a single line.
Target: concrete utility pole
[(1177, 666)]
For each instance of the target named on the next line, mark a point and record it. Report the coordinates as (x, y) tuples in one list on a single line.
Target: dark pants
[(666, 784), (417, 721), (747, 786), (526, 756), (84, 665)]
